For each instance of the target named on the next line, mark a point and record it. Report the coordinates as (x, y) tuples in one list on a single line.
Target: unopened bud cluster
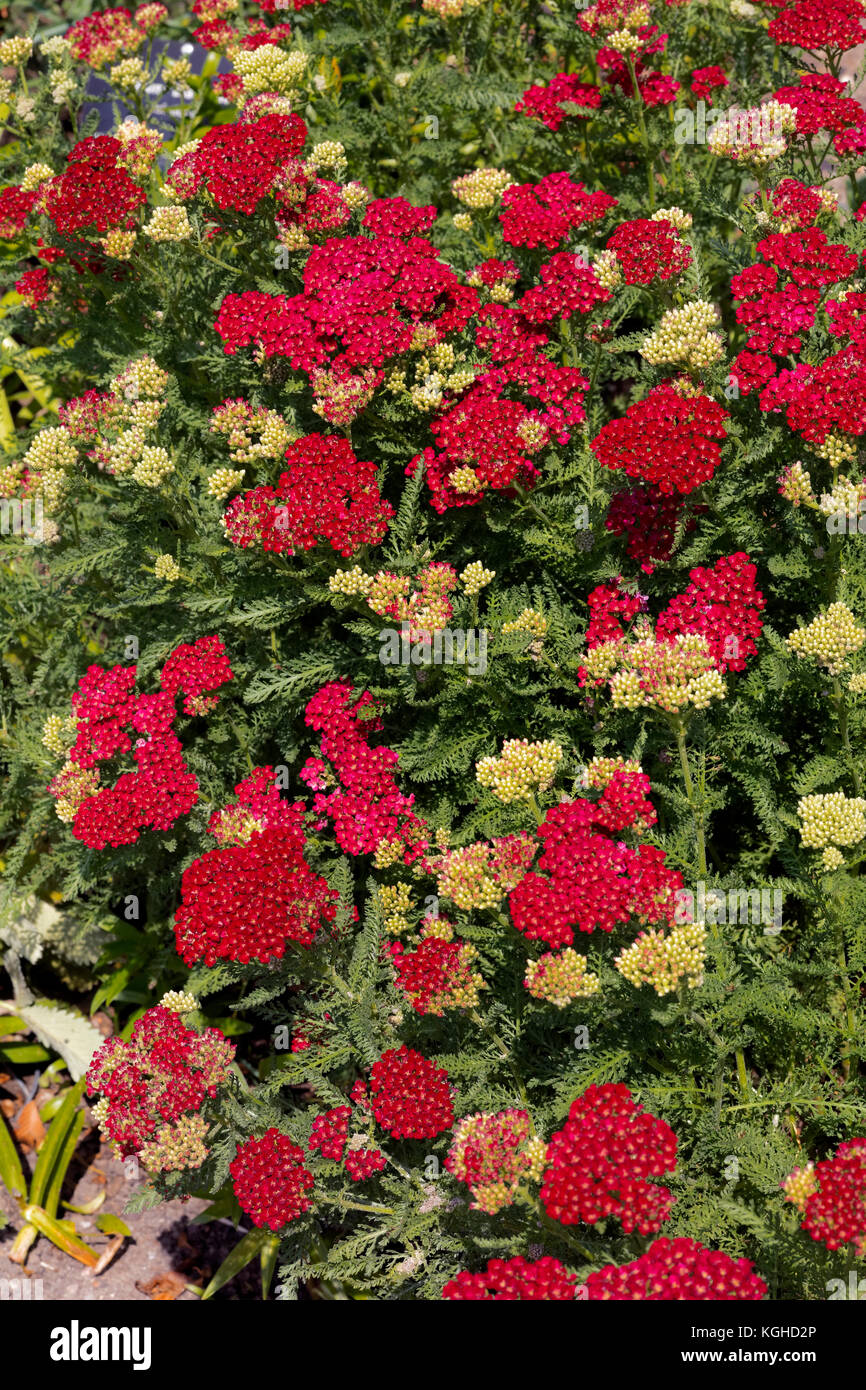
[(475, 577), (480, 875), (837, 449), (795, 485), (481, 188), (529, 620), (166, 567), (684, 336), (168, 224), (676, 216), (14, 52), (493, 1154), (560, 977), (671, 675), (754, 136), (829, 819), (176, 1147), (59, 732), (179, 1001), (663, 961), (223, 482), (799, 1186), (270, 69), (846, 499), (600, 772), (252, 432), (829, 639), (521, 769), (396, 900)]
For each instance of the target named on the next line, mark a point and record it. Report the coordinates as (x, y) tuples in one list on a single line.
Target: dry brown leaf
[(28, 1128), (164, 1288), (8, 1108)]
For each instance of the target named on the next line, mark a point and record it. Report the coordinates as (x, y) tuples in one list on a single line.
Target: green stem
[(651, 183), (842, 712), (850, 1023), (696, 806)]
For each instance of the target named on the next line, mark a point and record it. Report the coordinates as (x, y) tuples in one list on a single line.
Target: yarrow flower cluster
[(437, 976), (515, 1280), (563, 97), (270, 1180), (154, 1086), (776, 309), (544, 213), (409, 1096), (330, 1136), (326, 493), (831, 1195), (493, 1155), (670, 439), (707, 630), (672, 1270), (649, 518), (249, 899), (723, 605), (644, 250), (599, 1163), (365, 806), (583, 879), (105, 706)]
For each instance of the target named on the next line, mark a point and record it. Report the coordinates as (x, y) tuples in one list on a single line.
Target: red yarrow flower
[(330, 1132), (409, 1095), (599, 1163), (246, 902), (239, 164), (562, 97), (835, 1214), (516, 1280), (325, 494), (648, 249), (704, 80), (164, 1072), (363, 1163), (668, 439), (584, 880), (15, 207), (819, 104), (366, 806), (270, 1180), (672, 1270), (95, 192), (724, 605), (819, 24), (543, 213)]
